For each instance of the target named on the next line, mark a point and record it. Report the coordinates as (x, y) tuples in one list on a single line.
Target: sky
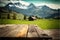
[(47, 1), (55, 4)]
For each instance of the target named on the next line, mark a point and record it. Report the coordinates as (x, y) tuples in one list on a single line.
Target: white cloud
[(54, 6), (24, 3)]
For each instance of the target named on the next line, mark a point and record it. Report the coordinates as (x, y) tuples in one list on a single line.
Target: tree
[(8, 16), (24, 17), (14, 16), (0, 16)]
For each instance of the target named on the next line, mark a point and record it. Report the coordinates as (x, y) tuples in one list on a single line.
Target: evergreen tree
[(24, 17), (14, 16), (8, 16)]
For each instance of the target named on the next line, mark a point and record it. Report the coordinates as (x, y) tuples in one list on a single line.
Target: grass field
[(42, 23)]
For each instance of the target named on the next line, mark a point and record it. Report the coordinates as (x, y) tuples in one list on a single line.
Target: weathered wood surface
[(18, 30), (13, 30), (23, 30), (55, 33)]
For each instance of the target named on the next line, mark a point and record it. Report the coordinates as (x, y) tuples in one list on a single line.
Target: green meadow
[(42, 23)]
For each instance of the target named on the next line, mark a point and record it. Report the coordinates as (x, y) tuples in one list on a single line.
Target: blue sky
[(46, 1)]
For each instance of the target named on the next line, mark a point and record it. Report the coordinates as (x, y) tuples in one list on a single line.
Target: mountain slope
[(42, 11)]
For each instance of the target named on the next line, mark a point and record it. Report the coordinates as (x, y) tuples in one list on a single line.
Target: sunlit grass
[(42, 23)]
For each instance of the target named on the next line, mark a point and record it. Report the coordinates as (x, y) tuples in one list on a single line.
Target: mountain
[(31, 9), (19, 9), (18, 3), (41, 11), (45, 11), (31, 6)]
